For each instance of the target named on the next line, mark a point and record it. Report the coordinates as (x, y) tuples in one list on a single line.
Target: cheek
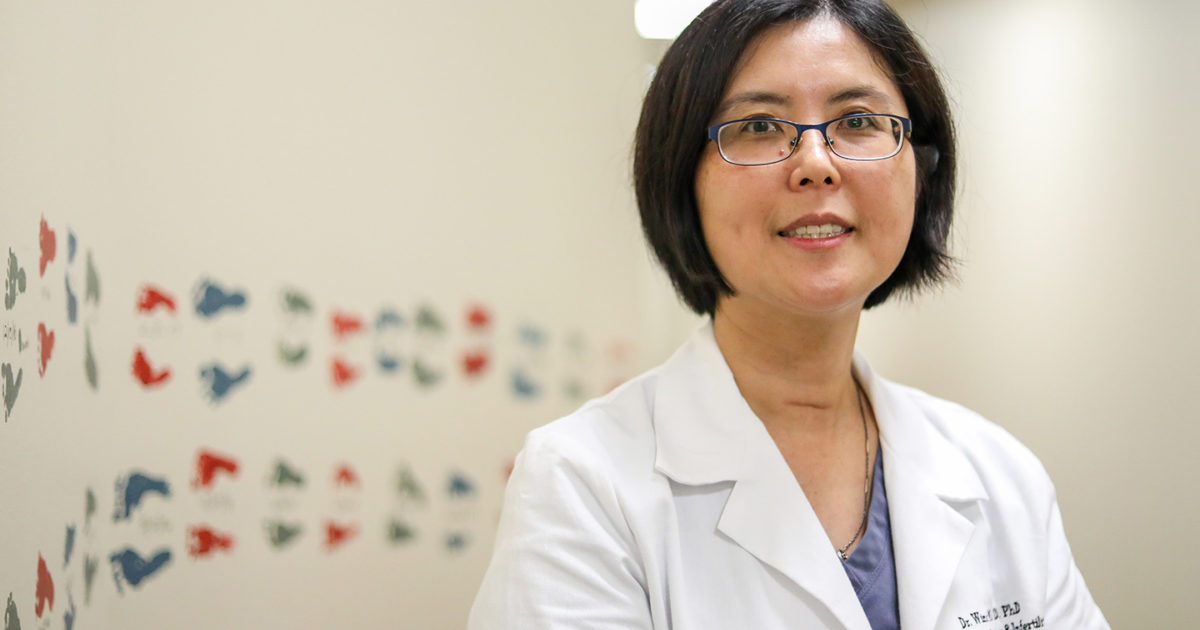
[(704, 192), (702, 189), (906, 204), (900, 202), (716, 204), (909, 207), (901, 218), (886, 203)]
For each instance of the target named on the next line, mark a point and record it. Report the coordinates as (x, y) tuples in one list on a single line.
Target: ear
[(927, 157)]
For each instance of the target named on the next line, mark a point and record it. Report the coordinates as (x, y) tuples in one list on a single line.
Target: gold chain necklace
[(867, 474)]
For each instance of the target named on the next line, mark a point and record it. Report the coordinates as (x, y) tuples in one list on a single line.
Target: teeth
[(817, 231)]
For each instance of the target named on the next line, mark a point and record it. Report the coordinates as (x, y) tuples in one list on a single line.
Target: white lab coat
[(666, 505)]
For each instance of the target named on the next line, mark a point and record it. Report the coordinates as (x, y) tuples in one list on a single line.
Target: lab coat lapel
[(768, 515), (706, 433), (932, 493)]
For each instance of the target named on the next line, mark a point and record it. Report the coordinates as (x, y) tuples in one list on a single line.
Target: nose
[(812, 163)]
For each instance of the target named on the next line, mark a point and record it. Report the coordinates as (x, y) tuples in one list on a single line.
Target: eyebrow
[(751, 98), (858, 92)]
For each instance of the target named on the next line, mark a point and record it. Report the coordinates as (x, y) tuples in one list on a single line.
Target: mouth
[(818, 231)]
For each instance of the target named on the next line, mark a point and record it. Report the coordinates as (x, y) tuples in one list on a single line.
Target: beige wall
[(368, 153)]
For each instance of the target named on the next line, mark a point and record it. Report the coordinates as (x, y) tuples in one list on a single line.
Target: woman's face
[(807, 72)]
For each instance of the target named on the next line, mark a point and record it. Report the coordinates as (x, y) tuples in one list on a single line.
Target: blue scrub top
[(872, 567)]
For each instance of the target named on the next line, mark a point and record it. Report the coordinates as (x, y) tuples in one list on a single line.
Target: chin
[(828, 298), (820, 302), (829, 306)]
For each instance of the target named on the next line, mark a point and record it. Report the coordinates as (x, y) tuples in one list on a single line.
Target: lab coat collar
[(706, 433), (703, 426), (932, 488)]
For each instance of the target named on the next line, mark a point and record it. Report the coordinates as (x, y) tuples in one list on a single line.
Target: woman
[(764, 477)]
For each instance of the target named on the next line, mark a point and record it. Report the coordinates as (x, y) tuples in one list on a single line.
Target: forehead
[(810, 63)]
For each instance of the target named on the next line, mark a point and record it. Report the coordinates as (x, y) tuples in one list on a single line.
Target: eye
[(759, 127), (860, 123)]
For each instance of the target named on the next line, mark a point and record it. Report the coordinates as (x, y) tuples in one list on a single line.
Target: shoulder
[(1003, 463), (607, 436), (963, 426), (565, 551), (1026, 528)]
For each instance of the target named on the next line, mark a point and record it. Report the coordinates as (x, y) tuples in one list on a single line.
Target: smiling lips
[(817, 232), (825, 230)]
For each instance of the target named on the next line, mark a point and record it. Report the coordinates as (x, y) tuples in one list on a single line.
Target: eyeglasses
[(762, 141)]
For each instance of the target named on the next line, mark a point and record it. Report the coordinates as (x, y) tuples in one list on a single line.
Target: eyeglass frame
[(905, 126)]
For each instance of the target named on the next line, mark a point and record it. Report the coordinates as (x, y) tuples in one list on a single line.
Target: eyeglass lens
[(752, 142)]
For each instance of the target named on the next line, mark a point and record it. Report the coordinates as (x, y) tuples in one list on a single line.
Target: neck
[(793, 370)]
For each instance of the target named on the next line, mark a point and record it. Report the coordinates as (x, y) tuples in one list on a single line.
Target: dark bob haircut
[(689, 85)]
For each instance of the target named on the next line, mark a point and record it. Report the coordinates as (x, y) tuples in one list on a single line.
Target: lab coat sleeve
[(1069, 604), (564, 555)]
